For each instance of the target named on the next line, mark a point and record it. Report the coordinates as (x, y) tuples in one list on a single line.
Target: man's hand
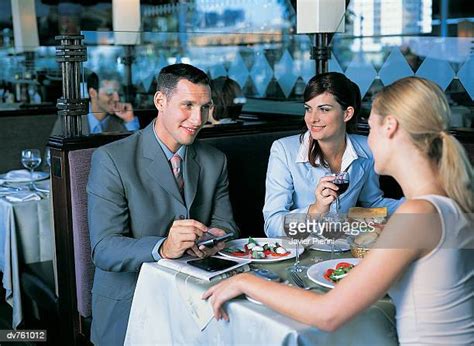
[(124, 111), (181, 237), (204, 251)]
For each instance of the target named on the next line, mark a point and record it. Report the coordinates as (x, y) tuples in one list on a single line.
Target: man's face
[(108, 96), (182, 114)]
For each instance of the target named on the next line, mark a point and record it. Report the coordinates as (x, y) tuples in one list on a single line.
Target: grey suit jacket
[(133, 200), (114, 124)]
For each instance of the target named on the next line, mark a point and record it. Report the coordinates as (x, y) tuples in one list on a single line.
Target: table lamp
[(322, 18), (126, 24)]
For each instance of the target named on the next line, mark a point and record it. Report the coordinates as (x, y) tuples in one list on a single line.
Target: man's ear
[(348, 114), (92, 93), (390, 125), (159, 100)]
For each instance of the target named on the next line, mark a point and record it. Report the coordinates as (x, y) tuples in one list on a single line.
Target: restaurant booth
[(52, 291)]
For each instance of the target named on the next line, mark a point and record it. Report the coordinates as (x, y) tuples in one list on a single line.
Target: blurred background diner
[(228, 100), (259, 54)]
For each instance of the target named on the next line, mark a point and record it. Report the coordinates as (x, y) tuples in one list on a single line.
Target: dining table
[(167, 309), (26, 235)]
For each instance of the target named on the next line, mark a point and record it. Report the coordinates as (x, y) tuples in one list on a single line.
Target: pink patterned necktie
[(176, 167)]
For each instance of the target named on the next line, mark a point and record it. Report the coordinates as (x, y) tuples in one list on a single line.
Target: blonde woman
[(426, 247)]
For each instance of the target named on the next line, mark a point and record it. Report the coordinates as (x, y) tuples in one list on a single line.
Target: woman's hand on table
[(225, 290), (325, 194)]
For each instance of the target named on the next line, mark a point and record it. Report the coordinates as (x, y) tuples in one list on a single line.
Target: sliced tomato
[(238, 253), (343, 265), (274, 254), (267, 252), (327, 274)]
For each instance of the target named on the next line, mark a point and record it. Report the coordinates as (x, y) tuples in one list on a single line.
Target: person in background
[(297, 180), (106, 112), (424, 257), (228, 101), (152, 195)]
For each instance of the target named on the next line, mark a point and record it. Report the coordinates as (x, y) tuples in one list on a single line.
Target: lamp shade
[(126, 21), (25, 26), (318, 16)]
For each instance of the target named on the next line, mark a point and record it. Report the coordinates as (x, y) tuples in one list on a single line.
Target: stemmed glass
[(31, 159), (341, 180), (332, 229), (290, 224), (47, 157)]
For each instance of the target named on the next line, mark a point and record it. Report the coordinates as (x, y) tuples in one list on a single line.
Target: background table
[(165, 301), (25, 237)]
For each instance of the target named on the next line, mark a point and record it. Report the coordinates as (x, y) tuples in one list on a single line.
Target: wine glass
[(290, 224), (31, 159), (47, 157), (341, 180), (332, 229)]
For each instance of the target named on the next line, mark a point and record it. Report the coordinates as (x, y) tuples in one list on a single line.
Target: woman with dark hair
[(228, 100), (297, 176)]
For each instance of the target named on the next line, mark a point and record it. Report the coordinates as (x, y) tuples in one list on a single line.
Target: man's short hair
[(93, 80), (169, 77)]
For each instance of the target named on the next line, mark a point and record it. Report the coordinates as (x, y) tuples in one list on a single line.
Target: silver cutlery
[(299, 282)]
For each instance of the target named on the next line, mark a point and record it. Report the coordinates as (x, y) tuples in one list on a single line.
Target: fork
[(298, 281)]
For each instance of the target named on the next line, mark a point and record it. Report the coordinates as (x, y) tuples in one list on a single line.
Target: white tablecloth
[(25, 237), (162, 314)]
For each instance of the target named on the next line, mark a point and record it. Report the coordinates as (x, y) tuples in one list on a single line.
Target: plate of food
[(329, 273), (265, 250)]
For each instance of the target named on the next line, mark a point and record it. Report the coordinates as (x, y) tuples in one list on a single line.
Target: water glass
[(289, 221), (31, 159), (47, 157)]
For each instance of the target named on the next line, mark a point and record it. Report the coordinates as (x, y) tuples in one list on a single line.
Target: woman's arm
[(279, 190), (364, 285)]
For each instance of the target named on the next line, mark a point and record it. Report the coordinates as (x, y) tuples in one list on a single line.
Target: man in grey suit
[(106, 112), (145, 204)]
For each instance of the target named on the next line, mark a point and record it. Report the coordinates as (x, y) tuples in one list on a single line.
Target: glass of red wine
[(341, 180)]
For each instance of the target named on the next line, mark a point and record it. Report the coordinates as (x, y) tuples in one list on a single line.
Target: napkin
[(18, 174), (6, 190), (191, 290), (23, 196)]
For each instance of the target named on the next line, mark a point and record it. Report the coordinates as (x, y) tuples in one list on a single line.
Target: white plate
[(22, 179), (239, 244), (253, 300), (316, 272), (340, 245)]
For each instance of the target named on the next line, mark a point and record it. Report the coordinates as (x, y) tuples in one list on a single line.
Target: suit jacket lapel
[(158, 167), (191, 175)]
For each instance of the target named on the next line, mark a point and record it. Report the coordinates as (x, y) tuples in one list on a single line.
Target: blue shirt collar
[(168, 153), (350, 153), (93, 121)]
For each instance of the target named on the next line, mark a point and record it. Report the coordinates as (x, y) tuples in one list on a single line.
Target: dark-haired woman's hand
[(325, 194)]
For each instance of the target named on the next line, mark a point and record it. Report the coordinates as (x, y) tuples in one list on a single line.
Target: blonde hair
[(422, 109)]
